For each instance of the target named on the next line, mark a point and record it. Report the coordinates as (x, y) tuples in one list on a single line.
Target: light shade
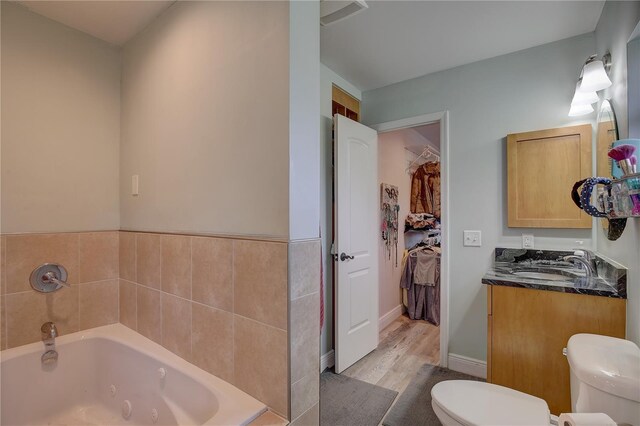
[(584, 98), (577, 110), (594, 77)]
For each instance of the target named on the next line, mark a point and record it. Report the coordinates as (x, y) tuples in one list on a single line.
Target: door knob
[(344, 256)]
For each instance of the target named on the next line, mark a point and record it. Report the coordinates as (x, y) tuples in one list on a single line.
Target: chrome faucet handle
[(49, 331), (50, 278)]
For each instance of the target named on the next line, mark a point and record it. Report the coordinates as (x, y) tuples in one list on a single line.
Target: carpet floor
[(345, 401), (413, 407)]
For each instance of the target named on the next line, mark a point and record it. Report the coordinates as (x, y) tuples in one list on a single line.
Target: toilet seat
[(472, 403)]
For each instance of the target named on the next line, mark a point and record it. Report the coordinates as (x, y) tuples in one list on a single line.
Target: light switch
[(472, 238), (134, 185)]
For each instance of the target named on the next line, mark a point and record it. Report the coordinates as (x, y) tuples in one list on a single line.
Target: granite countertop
[(545, 270)]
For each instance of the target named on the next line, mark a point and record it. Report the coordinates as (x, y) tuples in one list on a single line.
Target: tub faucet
[(588, 266), (49, 334)]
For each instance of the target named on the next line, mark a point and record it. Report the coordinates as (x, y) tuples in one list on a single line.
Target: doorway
[(434, 126), (407, 348), (435, 129), (412, 319)]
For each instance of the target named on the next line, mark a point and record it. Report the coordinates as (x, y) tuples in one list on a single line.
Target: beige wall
[(203, 116), (60, 127), (205, 113)]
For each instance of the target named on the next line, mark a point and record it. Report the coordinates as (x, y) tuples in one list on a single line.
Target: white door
[(356, 230)]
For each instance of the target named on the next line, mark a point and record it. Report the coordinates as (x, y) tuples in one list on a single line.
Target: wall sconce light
[(594, 74), (593, 78), (577, 110), (584, 98)]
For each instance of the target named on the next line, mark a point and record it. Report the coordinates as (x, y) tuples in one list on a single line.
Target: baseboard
[(388, 318), (327, 360), (470, 366)]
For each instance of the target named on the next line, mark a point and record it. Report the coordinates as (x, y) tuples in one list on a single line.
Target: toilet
[(605, 378)]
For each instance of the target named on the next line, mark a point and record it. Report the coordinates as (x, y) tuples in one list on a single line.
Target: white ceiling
[(112, 21), (397, 40), (391, 41)]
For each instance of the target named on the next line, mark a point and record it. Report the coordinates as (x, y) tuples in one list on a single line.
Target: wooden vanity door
[(529, 329)]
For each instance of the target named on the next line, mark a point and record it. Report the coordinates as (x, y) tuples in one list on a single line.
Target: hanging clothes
[(421, 280), (425, 189)]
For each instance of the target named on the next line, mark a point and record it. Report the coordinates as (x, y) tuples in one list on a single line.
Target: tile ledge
[(269, 418)]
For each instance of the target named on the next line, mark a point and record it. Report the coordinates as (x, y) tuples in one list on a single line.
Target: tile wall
[(216, 302), (243, 310), (91, 260), (304, 319)]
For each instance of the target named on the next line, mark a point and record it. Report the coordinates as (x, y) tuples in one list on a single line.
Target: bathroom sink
[(549, 276)]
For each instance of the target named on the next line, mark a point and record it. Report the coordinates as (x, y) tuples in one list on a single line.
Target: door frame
[(420, 120)]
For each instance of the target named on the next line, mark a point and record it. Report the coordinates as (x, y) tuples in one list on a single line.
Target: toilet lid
[(479, 403)]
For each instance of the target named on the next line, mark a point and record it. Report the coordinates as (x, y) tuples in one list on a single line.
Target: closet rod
[(428, 150)]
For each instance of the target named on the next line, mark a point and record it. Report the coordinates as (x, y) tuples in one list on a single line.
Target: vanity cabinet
[(528, 329), (542, 167)]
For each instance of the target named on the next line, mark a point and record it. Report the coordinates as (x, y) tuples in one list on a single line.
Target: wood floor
[(405, 346)]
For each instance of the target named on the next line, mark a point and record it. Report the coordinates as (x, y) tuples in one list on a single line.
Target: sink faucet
[(579, 257), (49, 334)]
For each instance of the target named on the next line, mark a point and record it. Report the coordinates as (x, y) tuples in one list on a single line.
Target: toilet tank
[(605, 377)]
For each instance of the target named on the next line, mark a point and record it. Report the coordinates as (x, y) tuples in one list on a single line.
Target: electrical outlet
[(472, 238), (527, 241)]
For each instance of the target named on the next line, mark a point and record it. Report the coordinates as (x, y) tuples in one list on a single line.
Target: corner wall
[(304, 213), (60, 142), (60, 126), (205, 132)]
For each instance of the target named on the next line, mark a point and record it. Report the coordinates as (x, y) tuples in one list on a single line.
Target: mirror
[(633, 83), (606, 134)]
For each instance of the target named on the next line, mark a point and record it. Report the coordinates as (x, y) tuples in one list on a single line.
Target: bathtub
[(113, 376)]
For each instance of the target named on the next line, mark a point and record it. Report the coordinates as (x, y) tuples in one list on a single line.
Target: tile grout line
[(191, 297), (135, 275), (161, 291), (118, 235), (233, 308), (79, 276)]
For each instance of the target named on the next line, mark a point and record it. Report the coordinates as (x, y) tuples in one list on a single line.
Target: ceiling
[(392, 41), (112, 21), (397, 40)]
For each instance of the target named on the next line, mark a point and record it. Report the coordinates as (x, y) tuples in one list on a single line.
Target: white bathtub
[(99, 369)]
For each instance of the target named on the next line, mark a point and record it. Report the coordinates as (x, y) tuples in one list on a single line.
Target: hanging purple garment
[(423, 300)]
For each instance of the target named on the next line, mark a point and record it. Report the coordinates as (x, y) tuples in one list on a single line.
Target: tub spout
[(49, 334)]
